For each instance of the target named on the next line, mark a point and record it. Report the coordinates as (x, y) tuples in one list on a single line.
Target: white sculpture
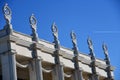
[(7, 13)]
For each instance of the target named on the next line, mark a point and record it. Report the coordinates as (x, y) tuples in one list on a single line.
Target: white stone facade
[(25, 58)]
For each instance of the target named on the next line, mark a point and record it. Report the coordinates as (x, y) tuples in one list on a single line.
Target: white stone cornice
[(24, 41), (48, 50)]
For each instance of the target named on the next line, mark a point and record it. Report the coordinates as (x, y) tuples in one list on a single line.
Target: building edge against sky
[(61, 59)]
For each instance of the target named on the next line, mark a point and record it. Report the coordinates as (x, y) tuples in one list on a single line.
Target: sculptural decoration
[(59, 65), (105, 49), (90, 45), (33, 23), (73, 37), (108, 68), (7, 13), (55, 30), (78, 70), (55, 34), (93, 60)]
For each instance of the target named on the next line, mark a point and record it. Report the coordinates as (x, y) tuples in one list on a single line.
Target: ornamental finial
[(7, 13), (54, 30), (90, 45), (104, 46), (73, 37), (33, 22), (108, 68)]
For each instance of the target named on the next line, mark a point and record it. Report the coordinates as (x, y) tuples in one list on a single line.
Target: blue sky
[(99, 19)]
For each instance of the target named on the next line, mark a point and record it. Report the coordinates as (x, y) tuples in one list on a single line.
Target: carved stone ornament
[(89, 41), (104, 46), (33, 22), (55, 30), (7, 13), (73, 37)]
